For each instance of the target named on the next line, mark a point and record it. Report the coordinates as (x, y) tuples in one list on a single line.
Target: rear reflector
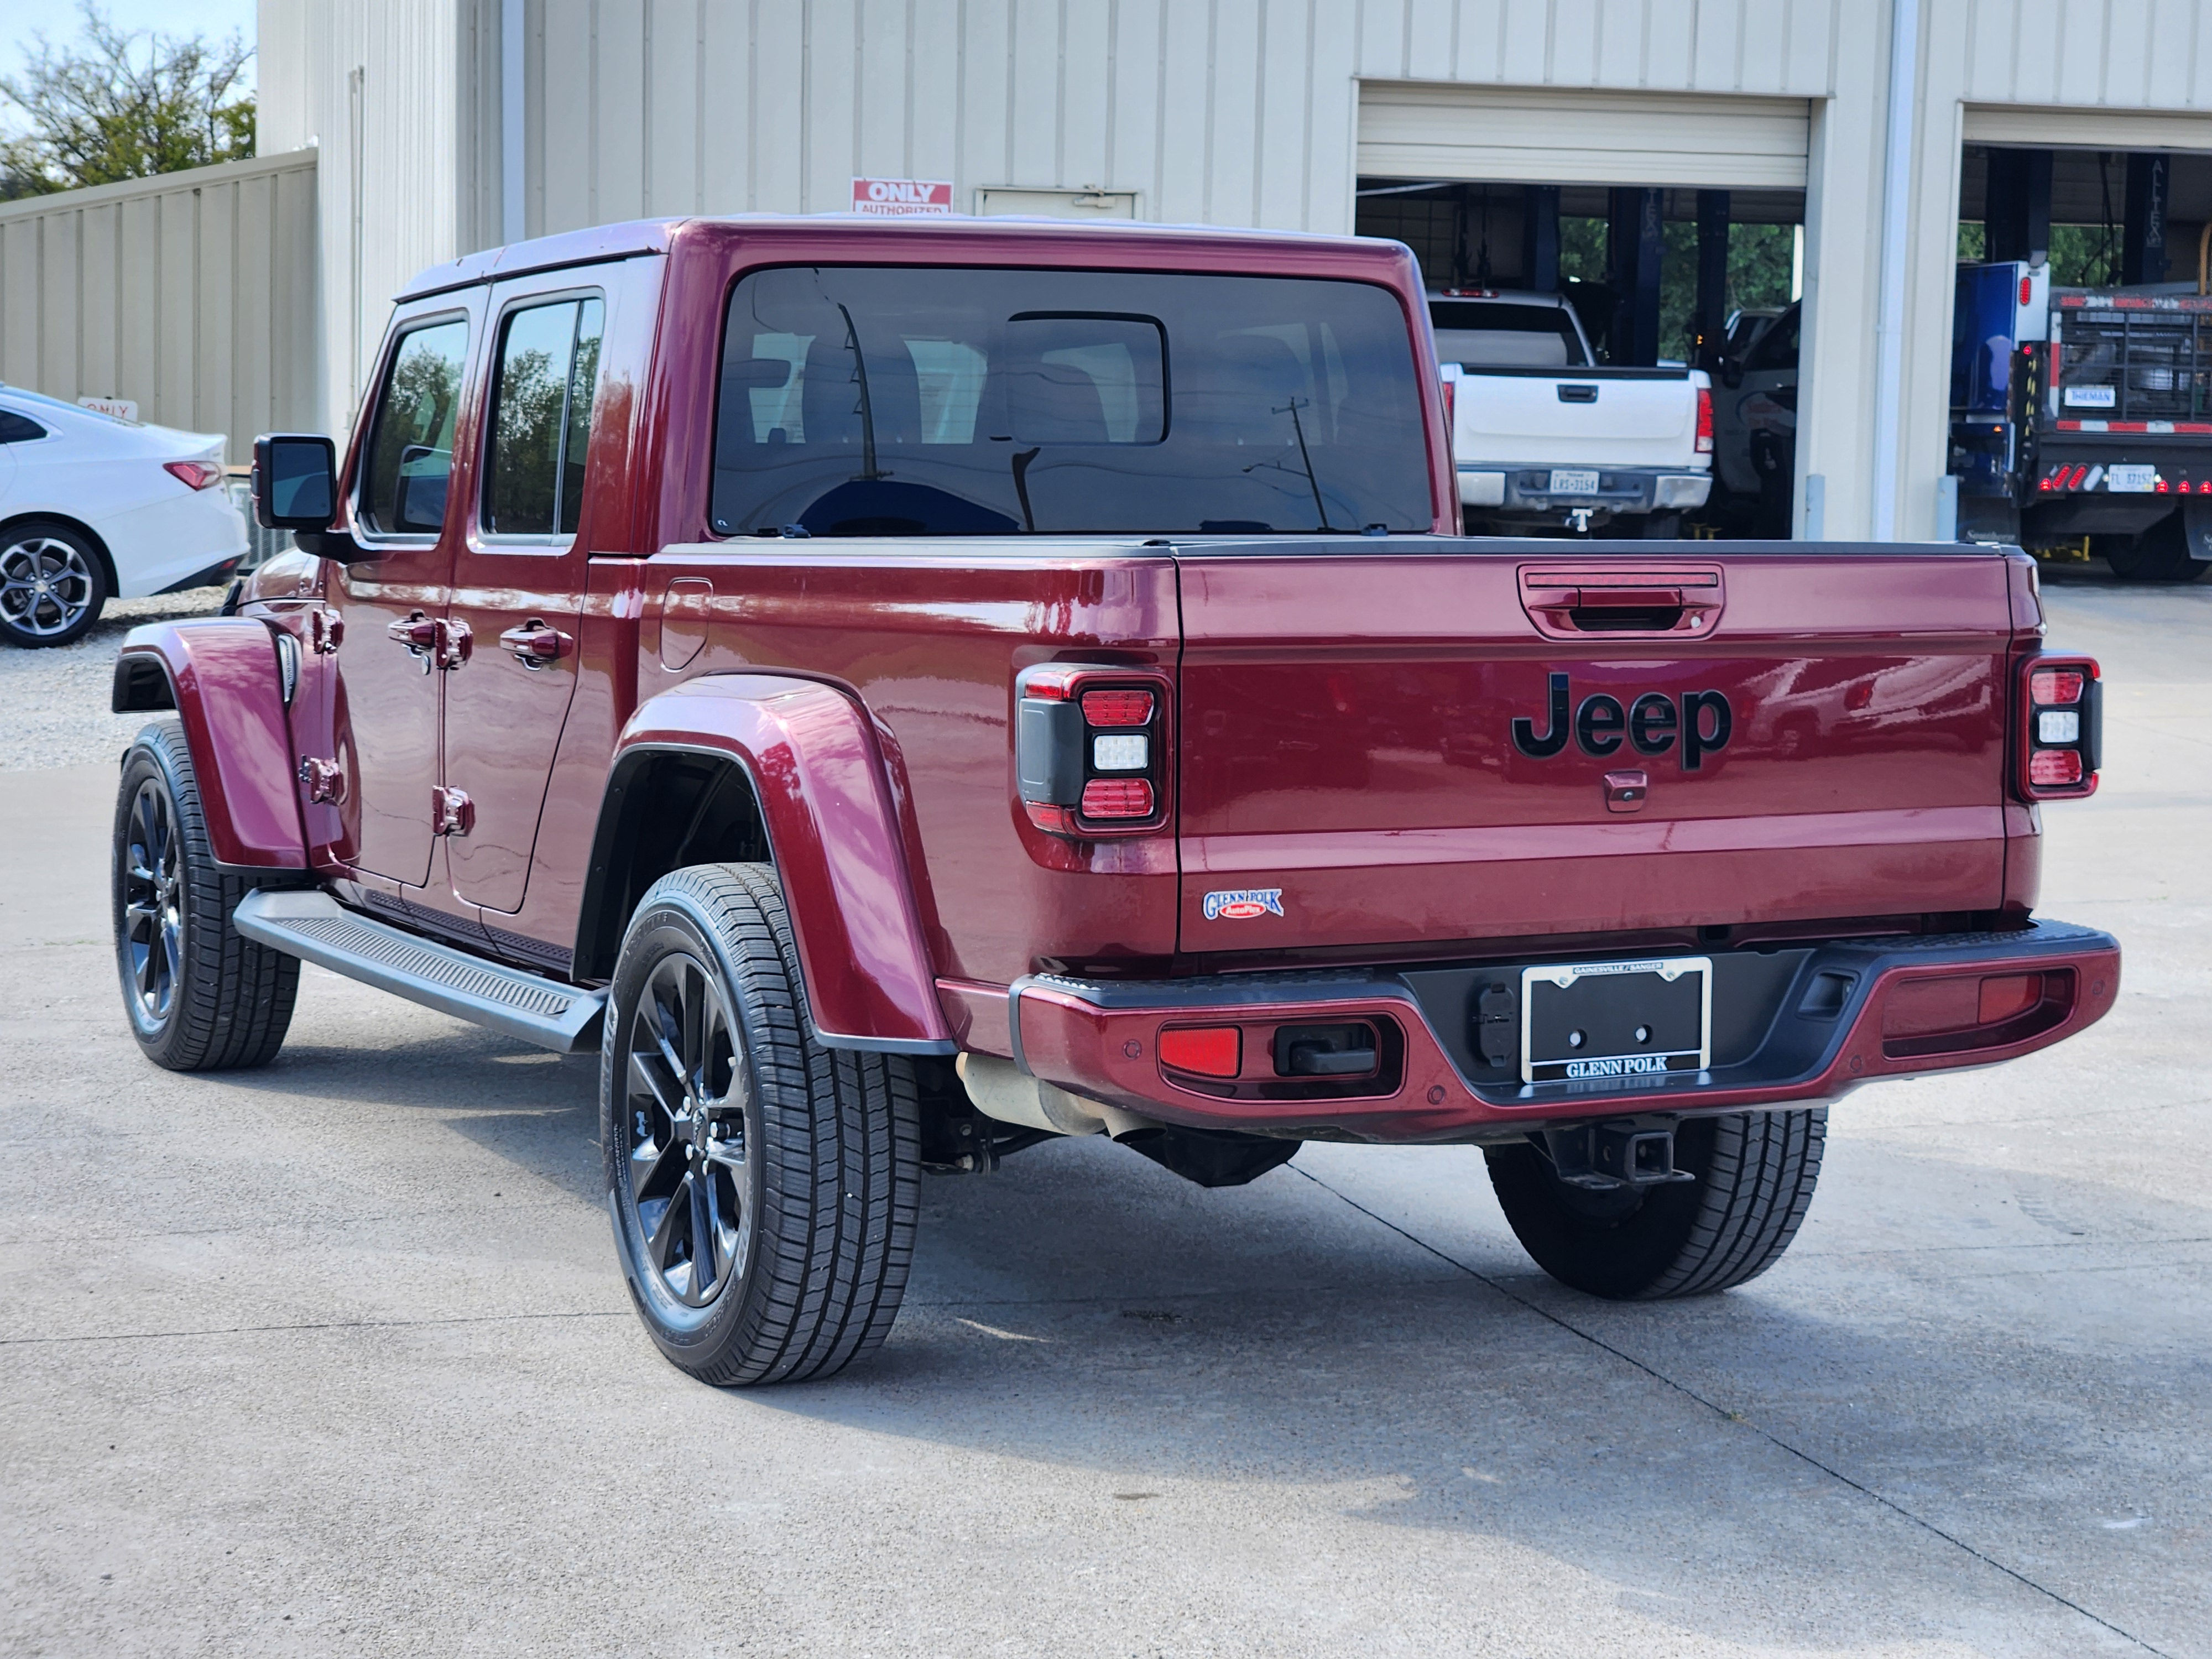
[(1957, 1013), (1208, 1050), (1117, 797), (1117, 707), (2047, 768), (2057, 685)]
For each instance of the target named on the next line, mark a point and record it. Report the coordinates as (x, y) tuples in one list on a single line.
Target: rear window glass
[(1475, 332), (860, 401)]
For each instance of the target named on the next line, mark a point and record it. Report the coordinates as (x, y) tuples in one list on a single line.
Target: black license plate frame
[(1604, 1004)]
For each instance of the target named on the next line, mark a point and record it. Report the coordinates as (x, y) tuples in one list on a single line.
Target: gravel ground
[(56, 698)]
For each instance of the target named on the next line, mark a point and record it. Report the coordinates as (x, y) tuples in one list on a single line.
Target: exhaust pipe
[(1001, 1090)]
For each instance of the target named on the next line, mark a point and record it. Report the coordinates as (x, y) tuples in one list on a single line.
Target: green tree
[(132, 105)]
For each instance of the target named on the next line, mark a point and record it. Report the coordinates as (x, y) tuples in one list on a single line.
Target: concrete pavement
[(334, 1358)]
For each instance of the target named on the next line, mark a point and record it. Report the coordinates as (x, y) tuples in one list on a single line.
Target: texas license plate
[(1616, 1019), (1573, 481), (2130, 479)]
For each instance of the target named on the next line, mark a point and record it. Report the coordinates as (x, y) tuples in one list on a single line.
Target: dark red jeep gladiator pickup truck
[(903, 692)]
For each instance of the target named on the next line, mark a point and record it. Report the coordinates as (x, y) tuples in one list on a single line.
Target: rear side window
[(1479, 333), (541, 416), (860, 401), (19, 428), (411, 444)]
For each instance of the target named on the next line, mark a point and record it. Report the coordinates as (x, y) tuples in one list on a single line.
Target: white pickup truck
[(1545, 440)]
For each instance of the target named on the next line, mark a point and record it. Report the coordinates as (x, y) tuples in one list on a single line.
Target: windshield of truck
[(1495, 334), (880, 401)]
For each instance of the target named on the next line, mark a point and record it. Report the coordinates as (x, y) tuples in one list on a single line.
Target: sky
[(62, 23)]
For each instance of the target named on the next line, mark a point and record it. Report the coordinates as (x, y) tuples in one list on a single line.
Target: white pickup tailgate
[(1522, 419)]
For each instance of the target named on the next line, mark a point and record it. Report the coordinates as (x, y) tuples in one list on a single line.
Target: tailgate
[(1415, 746), (1596, 419)]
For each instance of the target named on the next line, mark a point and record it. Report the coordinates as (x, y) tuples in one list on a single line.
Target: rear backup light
[(1090, 749), (2060, 724), (1705, 421), (193, 475), (1207, 1050), (1119, 754), (1117, 797), (1116, 708)]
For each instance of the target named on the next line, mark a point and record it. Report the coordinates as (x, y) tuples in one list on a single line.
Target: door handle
[(419, 634), (535, 643)]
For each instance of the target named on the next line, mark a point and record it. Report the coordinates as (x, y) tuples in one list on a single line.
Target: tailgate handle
[(1565, 603), (1577, 394)]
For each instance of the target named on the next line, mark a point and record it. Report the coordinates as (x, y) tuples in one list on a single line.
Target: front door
[(392, 601), (518, 580)]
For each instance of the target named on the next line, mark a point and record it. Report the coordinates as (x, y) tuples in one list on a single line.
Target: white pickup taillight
[(1704, 420), (2060, 725), (1090, 749)]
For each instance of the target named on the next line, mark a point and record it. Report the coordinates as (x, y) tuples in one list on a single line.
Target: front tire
[(201, 998), (764, 1189), (1755, 1174)]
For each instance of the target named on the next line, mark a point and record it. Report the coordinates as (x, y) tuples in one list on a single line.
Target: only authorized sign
[(900, 198)]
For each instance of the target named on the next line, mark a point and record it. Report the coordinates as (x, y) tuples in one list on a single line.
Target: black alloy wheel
[(53, 585), (151, 857), (688, 1106)]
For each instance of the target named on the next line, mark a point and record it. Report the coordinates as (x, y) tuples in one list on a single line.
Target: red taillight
[(2054, 768), (1451, 405), (1117, 707), (1207, 1050), (1117, 797), (2026, 289), (193, 475), (2060, 729), (1705, 421)]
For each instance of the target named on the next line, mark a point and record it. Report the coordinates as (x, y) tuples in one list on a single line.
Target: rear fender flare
[(221, 676), (825, 806)]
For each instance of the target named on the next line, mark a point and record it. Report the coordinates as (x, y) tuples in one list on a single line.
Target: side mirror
[(295, 483)]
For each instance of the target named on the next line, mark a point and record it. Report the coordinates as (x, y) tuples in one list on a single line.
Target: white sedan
[(93, 508)]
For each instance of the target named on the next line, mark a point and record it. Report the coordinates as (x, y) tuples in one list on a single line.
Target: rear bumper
[(1802, 1023), (1526, 490)]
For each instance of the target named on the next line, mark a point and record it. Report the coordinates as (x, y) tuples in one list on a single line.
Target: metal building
[(443, 127)]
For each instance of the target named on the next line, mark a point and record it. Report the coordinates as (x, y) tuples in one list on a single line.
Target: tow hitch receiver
[(1603, 1158)]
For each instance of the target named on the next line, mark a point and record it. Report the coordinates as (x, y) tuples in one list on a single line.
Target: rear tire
[(201, 998), (2160, 554), (53, 583), (1755, 1173), (764, 1189)]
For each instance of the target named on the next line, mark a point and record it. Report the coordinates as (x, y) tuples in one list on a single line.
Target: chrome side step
[(315, 927)]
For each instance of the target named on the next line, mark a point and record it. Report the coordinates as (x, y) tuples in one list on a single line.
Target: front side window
[(541, 416), (411, 445), (861, 401)]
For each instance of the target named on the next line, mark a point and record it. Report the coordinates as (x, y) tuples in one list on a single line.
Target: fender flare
[(221, 676), (818, 776)]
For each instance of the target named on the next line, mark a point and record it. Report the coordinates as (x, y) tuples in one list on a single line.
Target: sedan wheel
[(52, 586)]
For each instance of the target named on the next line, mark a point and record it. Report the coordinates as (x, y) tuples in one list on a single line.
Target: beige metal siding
[(193, 295), (1556, 136), (2086, 129)]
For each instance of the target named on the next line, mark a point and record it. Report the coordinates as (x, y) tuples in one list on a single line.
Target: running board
[(315, 927)]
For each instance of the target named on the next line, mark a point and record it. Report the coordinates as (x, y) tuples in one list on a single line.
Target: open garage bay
[(334, 1358)]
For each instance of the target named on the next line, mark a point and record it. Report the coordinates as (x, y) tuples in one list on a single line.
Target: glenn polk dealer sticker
[(1242, 903)]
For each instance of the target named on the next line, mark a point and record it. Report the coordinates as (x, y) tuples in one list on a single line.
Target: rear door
[(1429, 746), (519, 577)]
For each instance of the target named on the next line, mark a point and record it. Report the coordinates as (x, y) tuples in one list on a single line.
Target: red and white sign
[(901, 198)]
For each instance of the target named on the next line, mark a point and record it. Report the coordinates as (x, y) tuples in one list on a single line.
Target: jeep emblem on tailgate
[(1652, 724)]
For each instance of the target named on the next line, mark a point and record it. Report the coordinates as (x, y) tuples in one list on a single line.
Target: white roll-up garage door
[(1533, 135)]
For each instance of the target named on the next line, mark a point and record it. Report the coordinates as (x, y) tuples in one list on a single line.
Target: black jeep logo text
[(1651, 724)]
